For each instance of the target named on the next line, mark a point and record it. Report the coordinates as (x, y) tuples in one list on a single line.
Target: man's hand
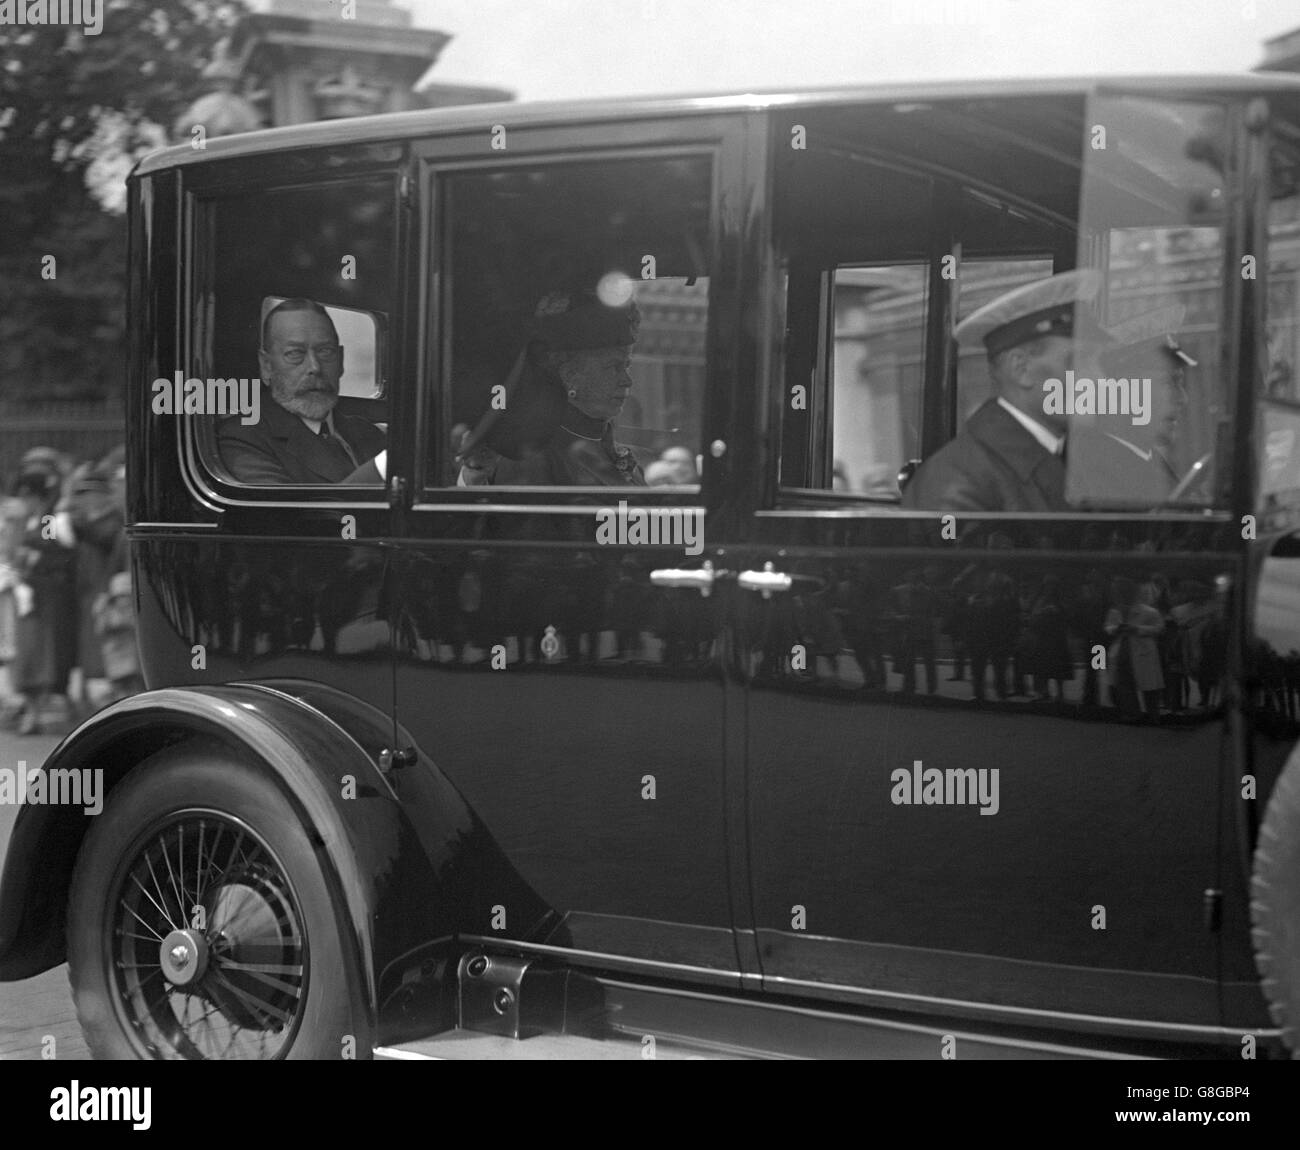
[(478, 467)]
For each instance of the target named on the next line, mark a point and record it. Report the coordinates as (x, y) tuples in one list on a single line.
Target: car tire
[(1275, 905), (200, 924)]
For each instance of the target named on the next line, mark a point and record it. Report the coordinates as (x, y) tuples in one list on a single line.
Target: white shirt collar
[(1052, 443), (1145, 456), (314, 424)]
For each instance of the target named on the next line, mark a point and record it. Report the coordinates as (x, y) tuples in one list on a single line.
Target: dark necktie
[(338, 449)]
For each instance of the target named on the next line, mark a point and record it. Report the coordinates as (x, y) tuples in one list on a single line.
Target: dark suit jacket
[(994, 464), (281, 449)]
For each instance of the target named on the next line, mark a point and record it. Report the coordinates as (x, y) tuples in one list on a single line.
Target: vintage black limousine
[(705, 736)]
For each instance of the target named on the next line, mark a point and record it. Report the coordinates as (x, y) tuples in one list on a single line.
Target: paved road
[(36, 1014)]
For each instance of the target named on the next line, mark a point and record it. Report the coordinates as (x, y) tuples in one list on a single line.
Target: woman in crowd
[(1133, 659), (1050, 651), (45, 598), (13, 517)]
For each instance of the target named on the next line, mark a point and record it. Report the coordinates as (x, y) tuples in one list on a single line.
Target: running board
[(637, 1020)]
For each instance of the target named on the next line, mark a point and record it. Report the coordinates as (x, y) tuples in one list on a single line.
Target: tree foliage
[(75, 112)]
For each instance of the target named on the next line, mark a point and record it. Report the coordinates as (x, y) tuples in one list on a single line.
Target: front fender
[(363, 844), (408, 862)]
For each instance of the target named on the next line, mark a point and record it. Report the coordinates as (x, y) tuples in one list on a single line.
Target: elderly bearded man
[(299, 440)]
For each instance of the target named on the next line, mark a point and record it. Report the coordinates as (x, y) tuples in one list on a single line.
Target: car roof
[(463, 118)]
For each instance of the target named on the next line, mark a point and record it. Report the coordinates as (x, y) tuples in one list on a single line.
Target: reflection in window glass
[(663, 413), (1279, 458), (1283, 315), (1152, 218)]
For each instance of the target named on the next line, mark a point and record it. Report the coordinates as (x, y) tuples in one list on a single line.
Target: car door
[(556, 657), (295, 585), (913, 841), (952, 805)]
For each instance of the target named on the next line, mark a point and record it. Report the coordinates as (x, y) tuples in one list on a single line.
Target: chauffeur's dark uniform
[(994, 464), (281, 449)]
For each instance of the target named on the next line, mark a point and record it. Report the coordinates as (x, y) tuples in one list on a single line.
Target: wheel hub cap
[(229, 984), (183, 956)]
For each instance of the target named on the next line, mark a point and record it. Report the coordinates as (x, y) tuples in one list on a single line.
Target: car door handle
[(701, 577), (765, 581)]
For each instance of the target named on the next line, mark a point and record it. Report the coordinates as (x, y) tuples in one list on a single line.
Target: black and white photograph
[(602, 530)]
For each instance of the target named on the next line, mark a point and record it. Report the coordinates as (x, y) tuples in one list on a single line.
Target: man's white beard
[(313, 405)]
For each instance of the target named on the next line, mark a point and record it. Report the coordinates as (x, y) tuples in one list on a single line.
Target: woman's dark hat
[(579, 321), (534, 397)]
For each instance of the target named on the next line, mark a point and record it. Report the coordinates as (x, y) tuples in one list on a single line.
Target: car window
[(1152, 220), (884, 258), (1281, 381), (1279, 460), (858, 238), (311, 269), (876, 375), (574, 311)]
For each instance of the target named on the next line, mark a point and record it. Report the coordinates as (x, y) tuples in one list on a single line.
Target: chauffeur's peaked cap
[(1046, 307)]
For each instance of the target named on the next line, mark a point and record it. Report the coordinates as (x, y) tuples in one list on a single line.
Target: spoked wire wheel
[(207, 946)]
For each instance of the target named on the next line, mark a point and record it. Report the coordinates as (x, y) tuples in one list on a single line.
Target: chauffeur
[(1010, 454), (562, 396)]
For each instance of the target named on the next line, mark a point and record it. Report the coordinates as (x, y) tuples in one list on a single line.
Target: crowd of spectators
[(65, 591), (675, 465), (1143, 645)]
